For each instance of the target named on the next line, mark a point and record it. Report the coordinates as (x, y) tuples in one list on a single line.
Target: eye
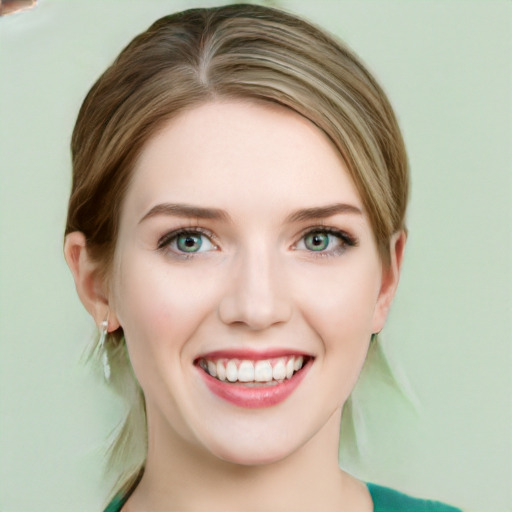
[(327, 241), (187, 242), (317, 241)]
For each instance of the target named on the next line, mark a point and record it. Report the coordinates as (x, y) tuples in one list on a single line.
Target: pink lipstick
[(251, 380)]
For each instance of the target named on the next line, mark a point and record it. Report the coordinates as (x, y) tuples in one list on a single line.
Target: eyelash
[(346, 240), (165, 240)]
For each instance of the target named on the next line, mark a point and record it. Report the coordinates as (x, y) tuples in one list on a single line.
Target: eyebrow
[(188, 211), (322, 212)]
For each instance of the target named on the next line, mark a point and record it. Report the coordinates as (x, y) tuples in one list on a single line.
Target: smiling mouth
[(252, 373)]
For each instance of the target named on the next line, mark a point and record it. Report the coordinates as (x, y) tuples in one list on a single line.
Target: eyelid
[(164, 241), (346, 238)]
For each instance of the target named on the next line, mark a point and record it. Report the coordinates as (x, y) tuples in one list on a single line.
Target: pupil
[(317, 241), (189, 243)]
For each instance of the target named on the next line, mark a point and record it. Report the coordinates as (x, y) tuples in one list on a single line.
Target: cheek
[(340, 305), (158, 309), (340, 310)]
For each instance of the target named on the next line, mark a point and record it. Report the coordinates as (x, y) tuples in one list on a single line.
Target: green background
[(446, 66)]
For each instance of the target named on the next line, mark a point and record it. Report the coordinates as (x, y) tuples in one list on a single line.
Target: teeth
[(246, 371), (231, 371), (270, 371), (289, 368), (221, 371), (212, 368), (263, 371), (279, 370)]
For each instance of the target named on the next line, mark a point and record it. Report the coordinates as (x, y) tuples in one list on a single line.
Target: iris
[(317, 241), (188, 242)]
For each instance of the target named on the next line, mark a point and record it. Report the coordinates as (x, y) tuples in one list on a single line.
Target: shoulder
[(384, 500), (116, 504), (389, 500)]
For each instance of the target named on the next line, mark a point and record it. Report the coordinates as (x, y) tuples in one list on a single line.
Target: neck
[(181, 476)]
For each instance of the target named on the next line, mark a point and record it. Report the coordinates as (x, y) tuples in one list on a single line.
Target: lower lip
[(254, 397)]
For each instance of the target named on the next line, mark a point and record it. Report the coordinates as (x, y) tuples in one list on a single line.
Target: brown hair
[(240, 51)]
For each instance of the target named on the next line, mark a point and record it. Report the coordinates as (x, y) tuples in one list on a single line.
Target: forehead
[(240, 155)]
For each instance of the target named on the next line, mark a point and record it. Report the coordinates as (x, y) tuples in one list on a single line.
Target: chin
[(252, 452)]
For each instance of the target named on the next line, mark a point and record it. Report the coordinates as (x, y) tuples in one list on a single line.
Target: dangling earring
[(102, 347)]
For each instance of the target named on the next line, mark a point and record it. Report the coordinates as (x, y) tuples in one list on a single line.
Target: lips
[(253, 381)]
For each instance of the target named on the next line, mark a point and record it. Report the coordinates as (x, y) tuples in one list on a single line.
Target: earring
[(102, 347)]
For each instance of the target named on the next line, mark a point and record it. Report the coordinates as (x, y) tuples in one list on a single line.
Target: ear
[(390, 278), (89, 285)]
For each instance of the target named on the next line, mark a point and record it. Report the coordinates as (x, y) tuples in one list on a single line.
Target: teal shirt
[(389, 500), (384, 500)]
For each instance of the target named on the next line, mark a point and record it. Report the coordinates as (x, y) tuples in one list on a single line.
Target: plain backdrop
[(446, 66)]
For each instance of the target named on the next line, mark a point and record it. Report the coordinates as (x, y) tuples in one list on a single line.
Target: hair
[(241, 52)]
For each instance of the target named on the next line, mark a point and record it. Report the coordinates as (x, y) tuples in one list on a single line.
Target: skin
[(255, 283)]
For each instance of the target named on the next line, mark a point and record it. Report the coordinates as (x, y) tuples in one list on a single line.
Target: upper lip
[(251, 354)]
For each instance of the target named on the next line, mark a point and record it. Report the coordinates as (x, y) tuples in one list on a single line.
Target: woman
[(236, 230)]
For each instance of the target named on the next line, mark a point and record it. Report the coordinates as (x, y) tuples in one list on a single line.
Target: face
[(246, 279)]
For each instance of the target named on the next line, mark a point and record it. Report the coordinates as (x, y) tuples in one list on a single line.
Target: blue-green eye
[(187, 242), (317, 241), (326, 241)]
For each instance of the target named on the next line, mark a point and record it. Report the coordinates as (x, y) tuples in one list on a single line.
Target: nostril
[(256, 294), (252, 313)]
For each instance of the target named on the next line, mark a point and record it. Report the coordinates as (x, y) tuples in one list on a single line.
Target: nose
[(256, 294)]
